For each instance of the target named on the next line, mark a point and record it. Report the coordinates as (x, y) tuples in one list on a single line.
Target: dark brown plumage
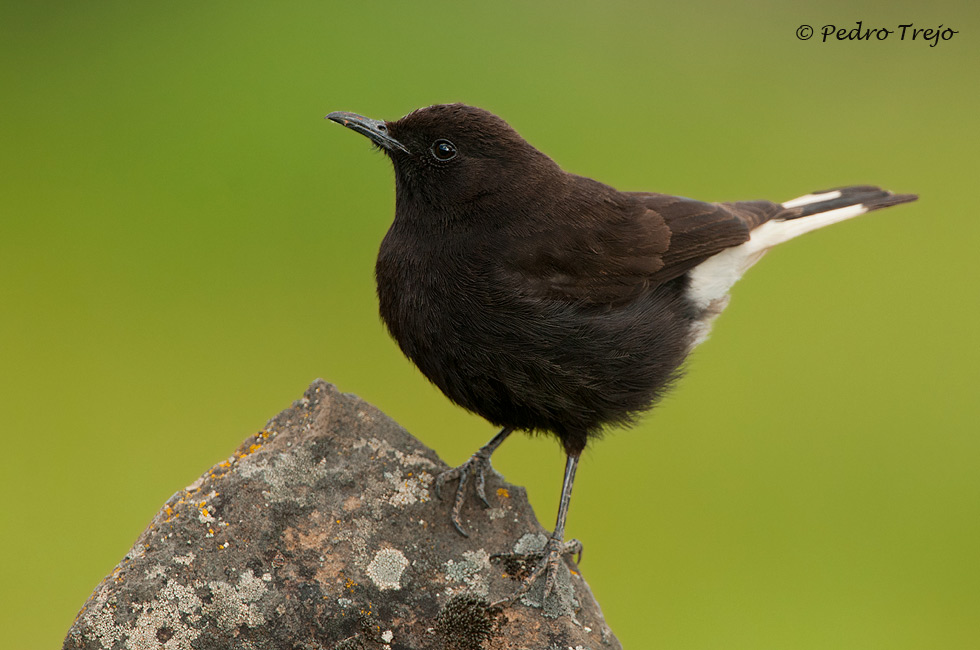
[(546, 301)]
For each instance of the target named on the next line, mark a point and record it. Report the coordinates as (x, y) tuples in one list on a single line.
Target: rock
[(322, 531)]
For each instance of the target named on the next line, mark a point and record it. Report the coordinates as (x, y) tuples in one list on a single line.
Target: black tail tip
[(870, 196), (889, 200)]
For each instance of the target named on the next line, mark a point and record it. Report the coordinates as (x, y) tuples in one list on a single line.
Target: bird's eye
[(443, 150)]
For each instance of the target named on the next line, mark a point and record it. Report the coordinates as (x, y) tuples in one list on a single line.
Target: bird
[(548, 302)]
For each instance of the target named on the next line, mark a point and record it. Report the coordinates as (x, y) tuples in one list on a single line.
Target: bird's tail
[(819, 209), (867, 196)]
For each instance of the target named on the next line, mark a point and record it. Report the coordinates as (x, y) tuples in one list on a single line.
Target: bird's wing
[(612, 258), (699, 230), (593, 254)]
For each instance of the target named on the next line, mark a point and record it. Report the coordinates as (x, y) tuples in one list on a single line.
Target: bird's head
[(450, 155)]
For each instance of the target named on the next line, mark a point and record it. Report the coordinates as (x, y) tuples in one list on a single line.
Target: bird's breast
[(430, 293)]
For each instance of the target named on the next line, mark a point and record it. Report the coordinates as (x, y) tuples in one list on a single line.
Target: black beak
[(377, 130)]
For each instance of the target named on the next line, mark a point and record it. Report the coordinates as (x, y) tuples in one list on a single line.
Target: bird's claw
[(548, 561), (477, 464)]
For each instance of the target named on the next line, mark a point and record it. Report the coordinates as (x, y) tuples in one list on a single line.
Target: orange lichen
[(503, 493)]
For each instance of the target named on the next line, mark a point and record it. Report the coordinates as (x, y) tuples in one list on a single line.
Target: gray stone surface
[(322, 531)]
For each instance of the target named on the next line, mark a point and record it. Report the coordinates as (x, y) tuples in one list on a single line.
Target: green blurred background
[(185, 244)]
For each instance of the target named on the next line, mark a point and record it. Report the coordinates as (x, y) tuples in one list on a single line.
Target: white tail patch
[(812, 198), (776, 232), (711, 279)]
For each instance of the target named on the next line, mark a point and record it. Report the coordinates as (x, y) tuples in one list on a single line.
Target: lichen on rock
[(321, 531)]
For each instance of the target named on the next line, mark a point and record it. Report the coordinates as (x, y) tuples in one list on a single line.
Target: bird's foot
[(478, 464), (545, 562)]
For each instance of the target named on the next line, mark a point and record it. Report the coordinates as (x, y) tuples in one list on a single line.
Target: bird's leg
[(478, 462), (555, 547)]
